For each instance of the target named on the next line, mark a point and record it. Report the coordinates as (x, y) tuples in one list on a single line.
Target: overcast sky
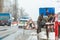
[(32, 6)]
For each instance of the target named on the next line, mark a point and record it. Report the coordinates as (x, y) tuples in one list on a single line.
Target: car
[(22, 21)]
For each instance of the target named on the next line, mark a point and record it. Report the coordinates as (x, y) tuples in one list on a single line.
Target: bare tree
[(15, 13), (22, 12)]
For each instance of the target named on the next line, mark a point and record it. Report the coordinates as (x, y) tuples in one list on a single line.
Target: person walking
[(40, 24)]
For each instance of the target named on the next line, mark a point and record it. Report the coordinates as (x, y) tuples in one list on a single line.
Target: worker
[(40, 24)]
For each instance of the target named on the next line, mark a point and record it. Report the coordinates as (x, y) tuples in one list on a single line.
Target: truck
[(5, 19)]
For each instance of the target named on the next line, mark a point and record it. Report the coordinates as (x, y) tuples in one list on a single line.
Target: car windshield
[(4, 17), (23, 20)]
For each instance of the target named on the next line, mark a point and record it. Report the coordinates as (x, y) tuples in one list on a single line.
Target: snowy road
[(22, 34)]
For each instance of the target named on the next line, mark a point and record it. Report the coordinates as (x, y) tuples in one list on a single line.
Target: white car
[(22, 21)]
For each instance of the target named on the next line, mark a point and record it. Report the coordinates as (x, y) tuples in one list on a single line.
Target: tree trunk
[(1, 5)]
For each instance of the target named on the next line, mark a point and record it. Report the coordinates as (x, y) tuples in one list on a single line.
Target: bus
[(5, 19)]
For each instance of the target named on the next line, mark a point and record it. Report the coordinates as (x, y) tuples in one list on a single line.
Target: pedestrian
[(38, 26)]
